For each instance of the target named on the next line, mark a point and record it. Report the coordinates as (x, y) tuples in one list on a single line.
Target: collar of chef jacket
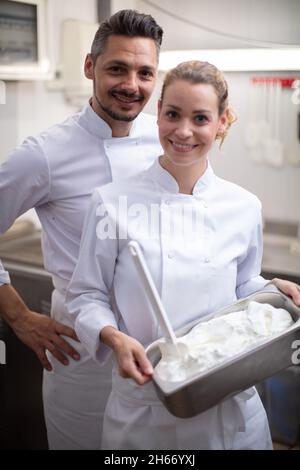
[(98, 127), (166, 181)]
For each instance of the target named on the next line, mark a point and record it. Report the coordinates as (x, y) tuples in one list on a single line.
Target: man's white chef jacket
[(56, 173)]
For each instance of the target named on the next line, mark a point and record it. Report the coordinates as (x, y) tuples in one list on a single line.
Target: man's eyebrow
[(121, 63), (147, 67), (117, 62)]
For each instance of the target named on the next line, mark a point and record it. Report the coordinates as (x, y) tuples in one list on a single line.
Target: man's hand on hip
[(40, 332), (37, 331)]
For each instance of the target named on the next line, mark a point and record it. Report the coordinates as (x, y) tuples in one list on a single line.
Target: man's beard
[(112, 114), (116, 116)]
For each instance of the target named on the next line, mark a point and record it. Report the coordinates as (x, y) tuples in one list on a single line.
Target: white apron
[(135, 419), (75, 396)]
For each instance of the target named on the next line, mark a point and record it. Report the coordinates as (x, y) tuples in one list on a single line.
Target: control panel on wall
[(23, 40)]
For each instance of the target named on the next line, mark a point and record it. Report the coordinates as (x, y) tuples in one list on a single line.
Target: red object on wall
[(286, 82)]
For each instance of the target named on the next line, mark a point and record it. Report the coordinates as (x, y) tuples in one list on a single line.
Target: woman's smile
[(182, 147)]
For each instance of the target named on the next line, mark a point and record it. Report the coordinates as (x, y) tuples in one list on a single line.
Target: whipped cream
[(212, 342)]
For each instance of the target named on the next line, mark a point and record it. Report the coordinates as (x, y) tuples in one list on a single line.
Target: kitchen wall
[(33, 106)]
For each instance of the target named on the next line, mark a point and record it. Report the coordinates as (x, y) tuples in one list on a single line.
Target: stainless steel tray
[(193, 396)]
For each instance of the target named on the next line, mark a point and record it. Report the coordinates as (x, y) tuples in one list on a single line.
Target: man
[(56, 172)]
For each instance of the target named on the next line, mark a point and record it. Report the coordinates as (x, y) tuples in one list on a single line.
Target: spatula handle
[(151, 291)]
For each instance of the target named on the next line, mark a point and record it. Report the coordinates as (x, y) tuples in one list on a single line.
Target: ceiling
[(230, 24)]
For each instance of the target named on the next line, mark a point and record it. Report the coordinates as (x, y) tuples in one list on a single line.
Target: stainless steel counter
[(23, 249), (279, 257)]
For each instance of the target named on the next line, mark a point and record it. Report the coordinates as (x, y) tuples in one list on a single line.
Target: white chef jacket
[(193, 276), (4, 276), (56, 172)]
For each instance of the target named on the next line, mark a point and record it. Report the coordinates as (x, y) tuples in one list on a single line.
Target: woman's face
[(188, 121)]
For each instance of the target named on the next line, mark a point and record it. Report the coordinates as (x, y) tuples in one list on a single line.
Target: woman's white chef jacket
[(193, 277), (56, 172)]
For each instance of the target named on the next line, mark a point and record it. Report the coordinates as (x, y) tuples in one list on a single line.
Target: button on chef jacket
[(194, 276), (56, 173)]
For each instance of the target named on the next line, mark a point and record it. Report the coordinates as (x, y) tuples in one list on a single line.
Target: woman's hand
[(130, 354), (288, 288)]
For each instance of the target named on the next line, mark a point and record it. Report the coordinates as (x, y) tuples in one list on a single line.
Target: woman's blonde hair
[(195, 72)]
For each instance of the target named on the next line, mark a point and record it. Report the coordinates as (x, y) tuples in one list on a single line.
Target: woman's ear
[(223, 122)]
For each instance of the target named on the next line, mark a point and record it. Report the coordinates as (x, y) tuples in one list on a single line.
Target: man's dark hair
[(126, 23)]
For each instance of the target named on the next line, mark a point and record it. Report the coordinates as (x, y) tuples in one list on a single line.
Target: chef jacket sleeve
[(24, 184), (4, 276), (88, 294), (249, 265)]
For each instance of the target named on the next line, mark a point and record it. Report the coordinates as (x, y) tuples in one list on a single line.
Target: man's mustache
[(126, 94)]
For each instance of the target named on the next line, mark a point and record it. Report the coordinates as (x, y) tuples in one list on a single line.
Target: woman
[(201, 237)]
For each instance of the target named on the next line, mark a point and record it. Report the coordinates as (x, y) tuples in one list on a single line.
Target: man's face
[(124, 77)]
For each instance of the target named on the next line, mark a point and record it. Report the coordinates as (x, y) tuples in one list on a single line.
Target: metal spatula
[(155, 301)]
